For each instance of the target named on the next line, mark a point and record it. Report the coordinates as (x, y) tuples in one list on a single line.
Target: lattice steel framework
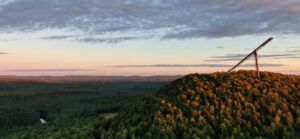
[(254, 53)]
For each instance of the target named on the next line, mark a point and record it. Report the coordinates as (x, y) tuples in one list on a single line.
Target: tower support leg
[(256, 64)]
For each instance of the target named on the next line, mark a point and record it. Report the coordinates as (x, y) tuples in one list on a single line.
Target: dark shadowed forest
[(23, 101)]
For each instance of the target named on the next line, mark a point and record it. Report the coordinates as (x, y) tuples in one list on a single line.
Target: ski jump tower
[(254, 52)]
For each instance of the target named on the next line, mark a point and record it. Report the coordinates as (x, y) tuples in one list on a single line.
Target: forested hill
[(217, 105)]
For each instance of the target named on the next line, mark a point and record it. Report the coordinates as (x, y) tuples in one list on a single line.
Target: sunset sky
[(146, 37)]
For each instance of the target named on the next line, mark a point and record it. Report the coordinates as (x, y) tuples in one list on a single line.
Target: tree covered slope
[(217, 105)]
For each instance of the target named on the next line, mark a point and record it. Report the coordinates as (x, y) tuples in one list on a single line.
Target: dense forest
[(22, 101), (217, 105)]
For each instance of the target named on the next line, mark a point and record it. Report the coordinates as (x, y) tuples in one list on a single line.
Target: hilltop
[(217, 105)]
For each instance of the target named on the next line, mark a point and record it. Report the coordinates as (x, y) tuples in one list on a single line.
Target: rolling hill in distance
[(216, 105), (76, 78)]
